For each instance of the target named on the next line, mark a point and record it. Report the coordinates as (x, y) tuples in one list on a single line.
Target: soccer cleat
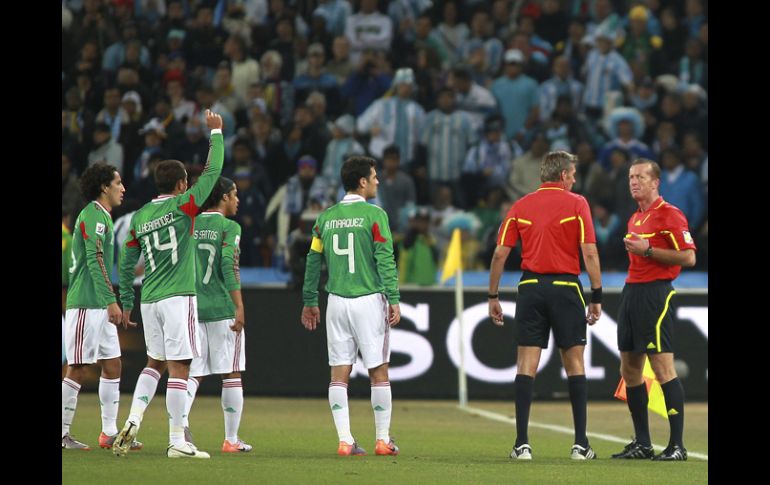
[(672, 453), (70, 443), (350, 450), (523, 452), (188, 435), (389, 448), (635, 451), (237, 447), (580, 453), (106, 441), (186, 450), (125, 438)]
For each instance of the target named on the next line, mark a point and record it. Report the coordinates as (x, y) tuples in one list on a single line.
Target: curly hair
[(94, 177)]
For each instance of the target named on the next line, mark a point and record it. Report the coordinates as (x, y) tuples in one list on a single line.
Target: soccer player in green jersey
[(354, 238), (162, 230), (92, 314), (220, 309)]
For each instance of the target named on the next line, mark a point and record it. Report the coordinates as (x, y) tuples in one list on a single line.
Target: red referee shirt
[(551, 223), (666, 227)]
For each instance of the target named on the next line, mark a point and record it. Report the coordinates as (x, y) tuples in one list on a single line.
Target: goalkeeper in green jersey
[(220, 309), (92, 314), (355, 240), (162, 230)]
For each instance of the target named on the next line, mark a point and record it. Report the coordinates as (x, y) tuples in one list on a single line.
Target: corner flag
[(657, 402)]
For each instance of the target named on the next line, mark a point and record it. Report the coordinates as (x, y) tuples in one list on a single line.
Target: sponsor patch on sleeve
[(687, 237), (100, 228)]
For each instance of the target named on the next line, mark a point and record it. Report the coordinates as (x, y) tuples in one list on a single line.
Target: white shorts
[(89, 336), (170, 328), (358, 324), (222, 350)]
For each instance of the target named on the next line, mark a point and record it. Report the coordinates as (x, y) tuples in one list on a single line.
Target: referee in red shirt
[(552, 223), (658, 242)]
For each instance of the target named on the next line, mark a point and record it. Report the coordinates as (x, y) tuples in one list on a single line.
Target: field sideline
[(295, 442)]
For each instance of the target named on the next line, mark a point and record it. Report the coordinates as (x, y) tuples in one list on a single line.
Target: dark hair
[(355, 168), (654, 167), (391, 151), (167, 174), (223, 186), (461, 73), (94, 177)]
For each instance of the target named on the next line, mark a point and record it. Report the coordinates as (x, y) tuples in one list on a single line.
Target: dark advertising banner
[(282, 358)]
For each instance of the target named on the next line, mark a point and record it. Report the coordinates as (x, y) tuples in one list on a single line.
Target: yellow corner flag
[(453, 257), (657, 403)]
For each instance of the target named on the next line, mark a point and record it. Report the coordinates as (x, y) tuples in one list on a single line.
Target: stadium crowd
[(457, 100)]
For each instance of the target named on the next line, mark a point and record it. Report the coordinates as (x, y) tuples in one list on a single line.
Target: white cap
[(514, 55)]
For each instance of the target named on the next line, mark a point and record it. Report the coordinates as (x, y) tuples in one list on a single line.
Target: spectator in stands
[(340, 65), (396, 189), (339, 148), (105, 148), (472, 98), (368, 29), (516, 94), (682, 188), (394, 120)]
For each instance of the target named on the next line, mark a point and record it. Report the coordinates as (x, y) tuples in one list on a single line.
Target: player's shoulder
[(230, 225), (668, 211)]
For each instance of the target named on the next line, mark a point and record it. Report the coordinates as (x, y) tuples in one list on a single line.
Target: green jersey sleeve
[(231, 256), (313, 267), (97, 234), (383, 256), (191, 201), (129, 256), (66, 256)]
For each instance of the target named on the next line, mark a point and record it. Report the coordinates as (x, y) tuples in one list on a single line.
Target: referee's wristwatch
[(648, 252)]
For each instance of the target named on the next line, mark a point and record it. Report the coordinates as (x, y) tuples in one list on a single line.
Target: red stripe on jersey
[(376, 234), (133, 243), (83, 229), (191, 210)]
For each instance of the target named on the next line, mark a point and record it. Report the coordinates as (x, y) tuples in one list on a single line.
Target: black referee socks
[(524, 387), (578, 394)]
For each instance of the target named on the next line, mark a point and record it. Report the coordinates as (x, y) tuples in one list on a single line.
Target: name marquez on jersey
[(343, 223), (206, 234), (156, 223)]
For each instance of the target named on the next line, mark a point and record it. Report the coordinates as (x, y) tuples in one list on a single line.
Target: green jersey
[(92, 254), (162, 230), (217, 239), (354, 239), (66, 255)]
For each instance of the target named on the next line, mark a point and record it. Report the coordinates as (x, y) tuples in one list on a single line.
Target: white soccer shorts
[(89, 336), (222, 350), (358, 324), (170, 328)]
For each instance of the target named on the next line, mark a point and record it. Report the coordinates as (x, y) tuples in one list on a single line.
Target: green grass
[(295, 442)]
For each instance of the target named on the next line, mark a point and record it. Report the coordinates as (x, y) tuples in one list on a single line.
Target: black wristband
[(596, 295), (490, 296)]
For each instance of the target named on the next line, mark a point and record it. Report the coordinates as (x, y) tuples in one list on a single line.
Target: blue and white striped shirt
[(447, 138), (604, 73), (493, 49), (550, 91), (383, 113)]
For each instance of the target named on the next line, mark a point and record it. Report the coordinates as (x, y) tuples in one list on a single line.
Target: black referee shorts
[(552, 301), (646, 317)]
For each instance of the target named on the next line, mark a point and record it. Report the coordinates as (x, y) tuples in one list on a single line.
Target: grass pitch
[(295, 442)]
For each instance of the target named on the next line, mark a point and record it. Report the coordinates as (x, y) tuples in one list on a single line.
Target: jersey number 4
[(161, 247), (349, 251)]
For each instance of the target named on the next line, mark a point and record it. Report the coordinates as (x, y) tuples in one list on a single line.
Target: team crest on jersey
[(687, 237), (100, 228)]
